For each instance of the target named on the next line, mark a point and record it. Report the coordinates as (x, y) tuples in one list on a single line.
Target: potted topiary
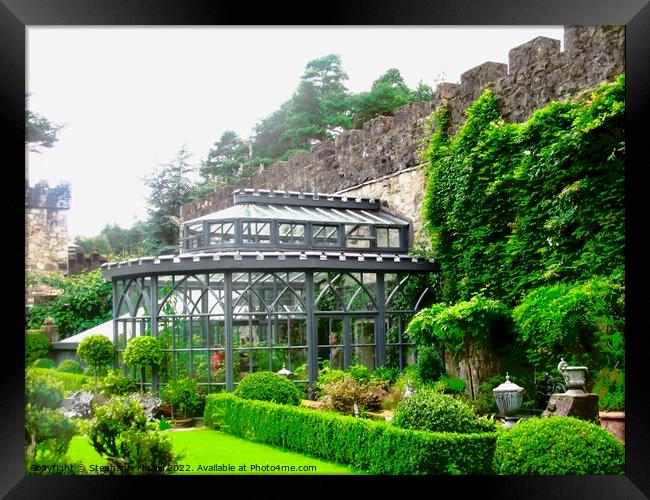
[(183, 397), (610, 387), (143, 352), (97, 351)]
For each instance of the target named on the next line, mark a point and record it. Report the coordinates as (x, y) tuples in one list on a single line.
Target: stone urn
[(574, 377)]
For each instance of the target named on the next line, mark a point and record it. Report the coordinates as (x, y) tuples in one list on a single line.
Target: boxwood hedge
[(375, 446)]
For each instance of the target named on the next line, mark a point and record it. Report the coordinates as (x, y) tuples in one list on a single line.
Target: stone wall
[(536, 74), (46, 234)]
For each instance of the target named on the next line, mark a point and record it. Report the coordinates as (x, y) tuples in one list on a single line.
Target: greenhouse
[(278, 280)]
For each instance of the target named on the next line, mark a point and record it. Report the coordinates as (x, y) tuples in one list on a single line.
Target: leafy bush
[(429, 410), (582, 322), (97, 351), (430, 365), (44, 363), (70, 382), (268, 386), (119, 432), (325, 376), (361, 373), (342, 394), (70, 366), (485, 402), (558, 446), (47, 431), (384, 373), (182, 395), (37, 346), (117, 384), (375, 446), (85, 302), (610, 387), (450, 385)]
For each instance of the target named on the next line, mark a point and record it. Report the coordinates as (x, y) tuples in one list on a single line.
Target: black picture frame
[(16, 15)]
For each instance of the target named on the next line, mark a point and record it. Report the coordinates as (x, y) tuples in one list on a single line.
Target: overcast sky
[(130, 98)]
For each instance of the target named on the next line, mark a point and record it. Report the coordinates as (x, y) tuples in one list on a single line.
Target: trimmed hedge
[(375, 446), (71, 382), (44, 363), (558, 445)]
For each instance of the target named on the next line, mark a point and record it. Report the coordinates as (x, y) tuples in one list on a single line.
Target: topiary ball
[(558, 445), (44, 363), (428, 410), (268, 386)]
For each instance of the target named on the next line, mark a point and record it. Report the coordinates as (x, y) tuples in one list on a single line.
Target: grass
[(213, 452)]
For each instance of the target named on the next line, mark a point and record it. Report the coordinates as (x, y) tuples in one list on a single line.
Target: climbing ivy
[(511, 207)]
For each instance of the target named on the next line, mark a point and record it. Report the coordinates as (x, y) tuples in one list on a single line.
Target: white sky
[(130, 98)]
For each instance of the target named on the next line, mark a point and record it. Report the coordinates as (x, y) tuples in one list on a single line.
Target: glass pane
[(182, 360), (181, 334), (241, 364), (325, 235), (256, 232), (199, 332), (217, 332), (222, 233), (357, 236), (363, 355), (291, 234), (200, 366)]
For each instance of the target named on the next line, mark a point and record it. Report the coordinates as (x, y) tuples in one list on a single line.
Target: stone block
[(583, 406), (477, 77), (535, 52)]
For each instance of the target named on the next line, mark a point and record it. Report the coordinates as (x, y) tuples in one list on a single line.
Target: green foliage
[(430, 365), (182, 394), (70, 366), (480, 320), (47, 431), (427, 409), (582, 322), (169, 188), (325, 376), (37, 346), (268, 386), (143, 351), (450, 385), (114, 383), (119, 432), (558, 446), (86, 301), (70, 382), (39, 131), (384, 373), (361, 373), (97, 351), (485, 402), (511, 207), (375, 446), (610, 387), (44, 363), (226, 160)]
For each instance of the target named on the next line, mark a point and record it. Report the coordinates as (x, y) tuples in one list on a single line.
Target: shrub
[(375, 446), (70, 366), (145, 351), (384, 373), (430, 410), (450, 385), (183, 396), (430, 365), (343, 393), (268, 386), (119, 432), (97, 351), (70, 382), (47, 431), (44, 363), (485, 402), (37, 346), (361, 373), (325, 376), (117, 384), (558, 445)]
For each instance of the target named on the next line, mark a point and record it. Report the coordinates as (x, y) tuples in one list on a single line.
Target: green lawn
[(214, 451)]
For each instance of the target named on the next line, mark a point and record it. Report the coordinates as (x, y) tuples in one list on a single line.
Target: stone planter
[(614, 422)]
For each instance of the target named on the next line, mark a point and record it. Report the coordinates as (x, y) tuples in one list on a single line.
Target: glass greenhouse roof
[(264, 211)]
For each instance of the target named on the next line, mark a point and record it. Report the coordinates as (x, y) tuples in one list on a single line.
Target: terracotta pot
[(165, 409), (614, 422)]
